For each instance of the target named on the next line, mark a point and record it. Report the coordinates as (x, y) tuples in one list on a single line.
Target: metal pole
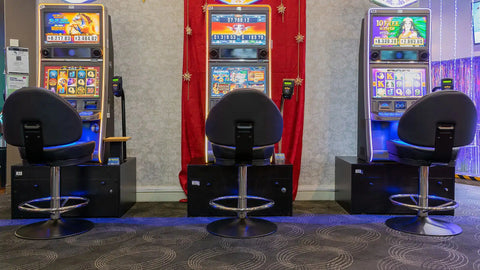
[(55, 191), (423, 190), (124, 128), (242, 190), (282, 104)]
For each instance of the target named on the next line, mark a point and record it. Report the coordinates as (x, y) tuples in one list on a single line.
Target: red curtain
[(287, 61)]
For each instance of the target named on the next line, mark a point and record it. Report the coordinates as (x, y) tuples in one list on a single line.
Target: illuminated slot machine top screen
[(71, 28), (399, 31), (226, 78), (476, 22), (238, 29), (399, 82), (73, 81)]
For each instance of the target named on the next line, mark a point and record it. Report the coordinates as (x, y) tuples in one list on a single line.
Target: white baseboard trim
[(160, 194), (315, 193), (175, 193)]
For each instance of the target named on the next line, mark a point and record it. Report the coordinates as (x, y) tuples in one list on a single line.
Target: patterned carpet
[(320, 235)]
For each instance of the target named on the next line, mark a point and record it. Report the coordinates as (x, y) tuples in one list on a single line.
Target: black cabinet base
[(111, 189), (364, 188), (208, 181)]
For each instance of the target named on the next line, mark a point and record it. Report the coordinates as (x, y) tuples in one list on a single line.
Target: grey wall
[(333, 35)]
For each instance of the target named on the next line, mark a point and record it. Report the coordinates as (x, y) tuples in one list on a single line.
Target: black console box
[(364, 188), (111, 189), (209, 181)]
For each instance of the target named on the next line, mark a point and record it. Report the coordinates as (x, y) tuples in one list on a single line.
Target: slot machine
[(238, 52), (238, 55), (76, 62), (394, 72)]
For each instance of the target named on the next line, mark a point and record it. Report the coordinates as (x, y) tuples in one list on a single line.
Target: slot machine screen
[(399, 31), (398, 82), (476, 22), (73, 81), (224, 79), (238, 29), (71, 28)]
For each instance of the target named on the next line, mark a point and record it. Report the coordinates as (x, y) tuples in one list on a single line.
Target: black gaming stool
[(243, 127), (431, 131), (45, 127)]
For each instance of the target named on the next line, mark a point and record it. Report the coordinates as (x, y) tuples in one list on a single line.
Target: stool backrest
[(60, 122), (418, 125), (244, 105)]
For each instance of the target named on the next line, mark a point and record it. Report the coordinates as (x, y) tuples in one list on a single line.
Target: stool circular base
[(54, 229), (423, 226), (241, 227)]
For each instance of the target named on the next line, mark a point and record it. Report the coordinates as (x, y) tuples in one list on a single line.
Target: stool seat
[(225, 155), (65, 155), (415, 155)]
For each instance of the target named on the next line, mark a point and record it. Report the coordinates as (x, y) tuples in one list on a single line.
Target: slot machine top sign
[(238, 2), (78, 1), (239, 29), (394, 3)]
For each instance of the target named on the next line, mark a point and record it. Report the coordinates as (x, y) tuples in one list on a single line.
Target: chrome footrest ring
[(448, 204), (269, 203), (30, 206)]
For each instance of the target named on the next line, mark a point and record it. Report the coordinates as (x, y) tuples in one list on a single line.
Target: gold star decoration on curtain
[(281, 9), (298, 81), (187, 76), (188, 30), (299, 38)]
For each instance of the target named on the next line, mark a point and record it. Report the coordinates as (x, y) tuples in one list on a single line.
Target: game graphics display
[(68, 28), (225, 79), (73, 81), (398, 82)]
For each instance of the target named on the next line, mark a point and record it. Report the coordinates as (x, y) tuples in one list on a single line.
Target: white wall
[(452, 35)]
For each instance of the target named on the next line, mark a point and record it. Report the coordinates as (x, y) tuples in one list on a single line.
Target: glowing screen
[(399, 31), (72, 28), (476, 22), (73, 81), (398, 82), (238, 29), (227, 78)]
